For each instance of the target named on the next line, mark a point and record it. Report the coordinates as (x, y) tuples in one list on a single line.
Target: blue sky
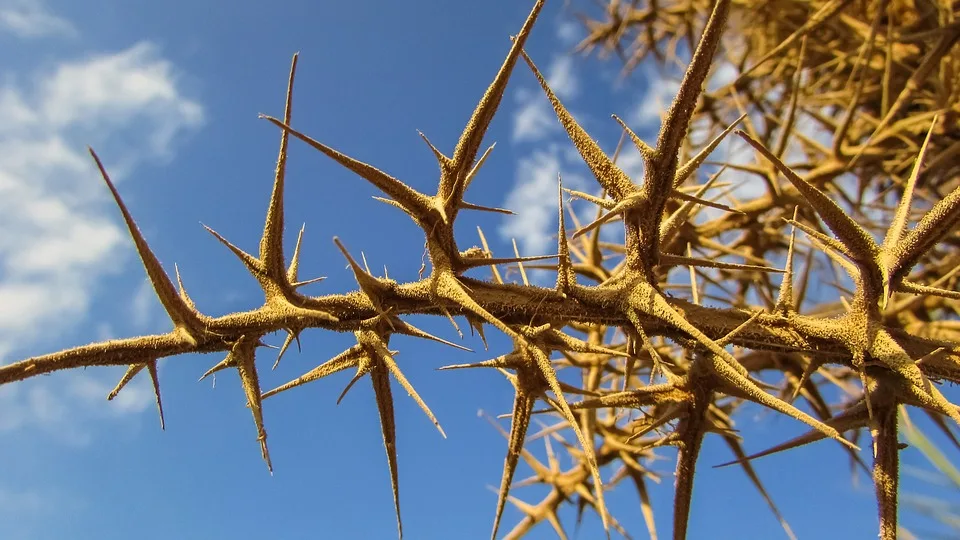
[(168, 94)]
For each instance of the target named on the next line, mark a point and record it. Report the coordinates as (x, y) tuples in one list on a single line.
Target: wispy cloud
[(144, 307), (21, 508), (20, 502), (61, 234), (534, 119), (732, 150), (134, 88), (569, 32), (32, 19), (724, 73), (534, 198), (57, 232), (648, 112), (534, 193), (562, 77), (56, 409)]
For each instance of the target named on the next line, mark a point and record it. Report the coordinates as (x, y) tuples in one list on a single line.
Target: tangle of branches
[(847, 115)]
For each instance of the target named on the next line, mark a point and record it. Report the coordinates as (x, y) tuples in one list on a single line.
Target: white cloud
[(562, 78), (569, 32), (30, 19), (654, 103), (535, 119), (534, 193), (647, 114), (724, 73), (661, 89), (108, 91), (144, 306), (135, 397), (58, 225), (534, 198), (61, 231), (735, 151), (56, 407), (20, 502), (22, 508), (631, 162)]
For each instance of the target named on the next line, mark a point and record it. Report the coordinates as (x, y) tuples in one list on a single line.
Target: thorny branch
[(888, 339)]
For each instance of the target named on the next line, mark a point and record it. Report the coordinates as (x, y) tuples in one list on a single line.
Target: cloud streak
[(534, 198), (534, 193), (53, 208), (534, 119), (30, 19), (62, 236)]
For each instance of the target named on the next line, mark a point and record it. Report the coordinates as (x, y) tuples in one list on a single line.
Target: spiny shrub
[(841, 117)]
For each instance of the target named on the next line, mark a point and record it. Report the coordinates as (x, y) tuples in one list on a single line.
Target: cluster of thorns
[(881, 78)]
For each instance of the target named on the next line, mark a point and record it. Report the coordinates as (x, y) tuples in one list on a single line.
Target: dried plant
[(885, 93)]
